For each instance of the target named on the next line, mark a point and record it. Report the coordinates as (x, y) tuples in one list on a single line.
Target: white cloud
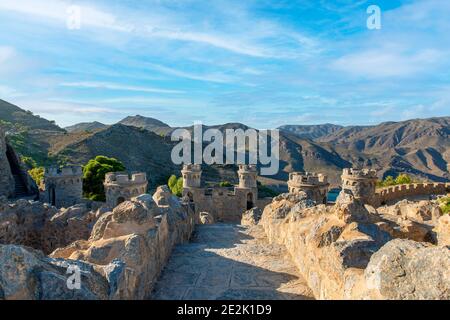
[(387, 63), (114, 86), (211, 77)]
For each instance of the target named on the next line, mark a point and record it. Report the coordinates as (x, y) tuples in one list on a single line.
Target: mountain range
[(419, 147)]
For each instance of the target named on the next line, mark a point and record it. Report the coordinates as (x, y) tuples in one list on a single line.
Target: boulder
[(206, 218), (26, 274), (41, 226), (405, 269), (443, 230), (251, 217)]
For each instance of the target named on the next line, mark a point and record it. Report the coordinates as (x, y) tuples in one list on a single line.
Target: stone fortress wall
[(224, 204), (62, 187), (391, 194), (121, 186)]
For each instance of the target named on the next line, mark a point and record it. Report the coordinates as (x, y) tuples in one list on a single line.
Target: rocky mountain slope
[(311, 131), (147, 123)]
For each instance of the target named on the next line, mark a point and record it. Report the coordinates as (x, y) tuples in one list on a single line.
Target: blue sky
[(260, 62)]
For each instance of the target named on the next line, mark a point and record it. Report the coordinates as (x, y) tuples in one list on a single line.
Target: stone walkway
[(230, 262)]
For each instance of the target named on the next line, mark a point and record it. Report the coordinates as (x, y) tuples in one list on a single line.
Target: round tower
[(192, 175), (247, 176), (361, 183), (313, 184), (121, 186)]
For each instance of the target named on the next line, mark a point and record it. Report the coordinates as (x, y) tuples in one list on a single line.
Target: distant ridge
[(86, 126), (147, 123), (419, 147), (311, 131)]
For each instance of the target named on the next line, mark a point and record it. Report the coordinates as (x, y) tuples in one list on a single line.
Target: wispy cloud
[(115, 86), (210, 77), (387, 63)]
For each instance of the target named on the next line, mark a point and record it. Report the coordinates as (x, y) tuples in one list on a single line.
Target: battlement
[(351, 173), (192, 168), (307, 178), (394, 193), (247, 168), (124, 178), (69, 171)]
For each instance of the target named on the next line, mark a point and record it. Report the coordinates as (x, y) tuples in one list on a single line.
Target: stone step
[(20, 187)]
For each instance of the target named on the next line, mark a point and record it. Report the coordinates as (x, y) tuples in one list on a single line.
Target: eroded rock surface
[(251, 217), (43, 227), (335, 246), (131, 244)]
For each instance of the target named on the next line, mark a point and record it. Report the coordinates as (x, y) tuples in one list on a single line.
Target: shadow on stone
[(220, 264)]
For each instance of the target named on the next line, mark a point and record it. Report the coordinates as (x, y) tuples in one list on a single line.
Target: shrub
[(265, 192), (225, 184), (390, 181), (37, 174), (445, 205), (176, 185), (94, 175)]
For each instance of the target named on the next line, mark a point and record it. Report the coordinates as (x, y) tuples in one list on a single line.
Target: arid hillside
[(419, 147)]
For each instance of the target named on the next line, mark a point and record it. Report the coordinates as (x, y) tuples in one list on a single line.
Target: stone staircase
[(20, 187)]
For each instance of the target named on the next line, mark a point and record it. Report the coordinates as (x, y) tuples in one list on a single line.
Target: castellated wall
[(224, 204), (6, 178), (62, 187), (391, 194), (121, 187)]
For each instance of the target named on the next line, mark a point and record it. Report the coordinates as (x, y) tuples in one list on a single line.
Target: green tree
[(403, 179), (176, 185), (172, 182), (94, 174), (389, 181), (37, 174)]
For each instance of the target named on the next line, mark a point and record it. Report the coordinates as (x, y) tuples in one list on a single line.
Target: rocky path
[(226, 261)]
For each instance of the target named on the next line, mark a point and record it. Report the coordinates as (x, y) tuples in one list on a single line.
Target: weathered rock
[(206, 218), (132, 244), (6, 177), (43, 227), (251, 217), (418, 211), (405, 269), (443, 230), (27, 274)]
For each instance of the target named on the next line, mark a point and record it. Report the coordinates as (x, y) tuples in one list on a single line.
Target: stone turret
[(361, 183), (248, 184), (247, 176), (62, 187), (192, 175), (121, 186), (313, 184)]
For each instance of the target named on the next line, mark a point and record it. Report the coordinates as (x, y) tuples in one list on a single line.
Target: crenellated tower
[(315, 185), (361, 183), (121, 186), (62, 187)]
